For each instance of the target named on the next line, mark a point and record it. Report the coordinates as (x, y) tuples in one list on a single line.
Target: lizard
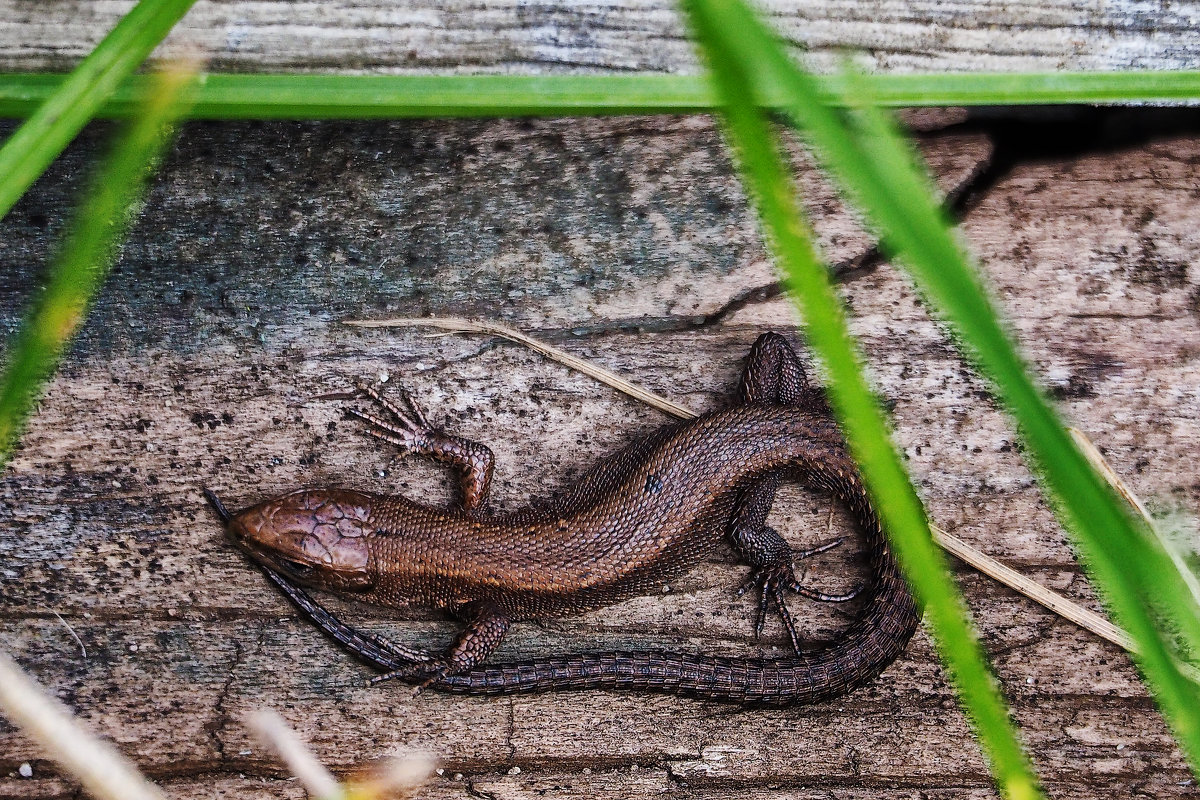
[(640, 517)]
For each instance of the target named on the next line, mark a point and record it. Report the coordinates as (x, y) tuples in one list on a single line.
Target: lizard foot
[(411, 430), (427, 673), (775, 579)]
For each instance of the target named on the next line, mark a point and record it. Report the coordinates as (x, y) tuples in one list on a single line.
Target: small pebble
[(515, 771), (133, 648), (25, 771), (384, 376), (458, 776)]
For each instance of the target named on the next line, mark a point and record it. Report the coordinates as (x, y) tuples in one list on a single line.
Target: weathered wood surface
[(208, 356), (620, 35)]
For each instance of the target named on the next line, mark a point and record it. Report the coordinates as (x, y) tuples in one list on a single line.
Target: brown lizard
[(637, 519)]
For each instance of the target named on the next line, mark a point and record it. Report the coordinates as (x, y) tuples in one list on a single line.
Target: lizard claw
[(413, 672), (812, 594), (402, 673), (430, 681), (410, 430), (773, 579), (800, 555), (431, 673)]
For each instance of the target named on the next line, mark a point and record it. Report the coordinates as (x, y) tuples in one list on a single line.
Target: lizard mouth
[(294, 568), (269, 558), (272, 561)]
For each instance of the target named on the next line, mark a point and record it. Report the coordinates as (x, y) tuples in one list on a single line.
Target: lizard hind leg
[(772, 559), (774, 375), (411, 431)]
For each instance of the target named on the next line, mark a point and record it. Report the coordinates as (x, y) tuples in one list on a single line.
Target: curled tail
[(773, 378)]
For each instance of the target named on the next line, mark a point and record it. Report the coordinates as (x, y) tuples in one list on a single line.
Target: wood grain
[(618, 35), (215, 356)]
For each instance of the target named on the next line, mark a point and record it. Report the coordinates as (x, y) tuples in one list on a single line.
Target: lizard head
[(316, 538)]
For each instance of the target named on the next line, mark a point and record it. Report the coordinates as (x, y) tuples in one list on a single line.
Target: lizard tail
[(878, 636), (218, 506)]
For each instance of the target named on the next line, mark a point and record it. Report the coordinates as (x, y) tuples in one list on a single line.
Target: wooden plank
[(211, 356), (644, 35), (907, 719)]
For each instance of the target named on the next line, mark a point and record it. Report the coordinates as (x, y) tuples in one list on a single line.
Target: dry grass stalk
[(395, 778), (103, 771), (1092, 453), (989, 566), (275, 734)]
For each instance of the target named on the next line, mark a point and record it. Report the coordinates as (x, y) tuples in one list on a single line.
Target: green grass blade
[(315, 96), (85, 254), (879, 171), (63, 112), (1013, 88), (857, 408), (1134, 571)]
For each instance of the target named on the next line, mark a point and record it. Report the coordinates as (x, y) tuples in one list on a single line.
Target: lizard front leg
[(412, 432)]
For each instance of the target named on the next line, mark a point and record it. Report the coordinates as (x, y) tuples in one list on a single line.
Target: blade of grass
[(64, 111), (763, 170), (104, 772), (1098, 462), (1134, 573), (314, 96), (88, 249), (880, 173)]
